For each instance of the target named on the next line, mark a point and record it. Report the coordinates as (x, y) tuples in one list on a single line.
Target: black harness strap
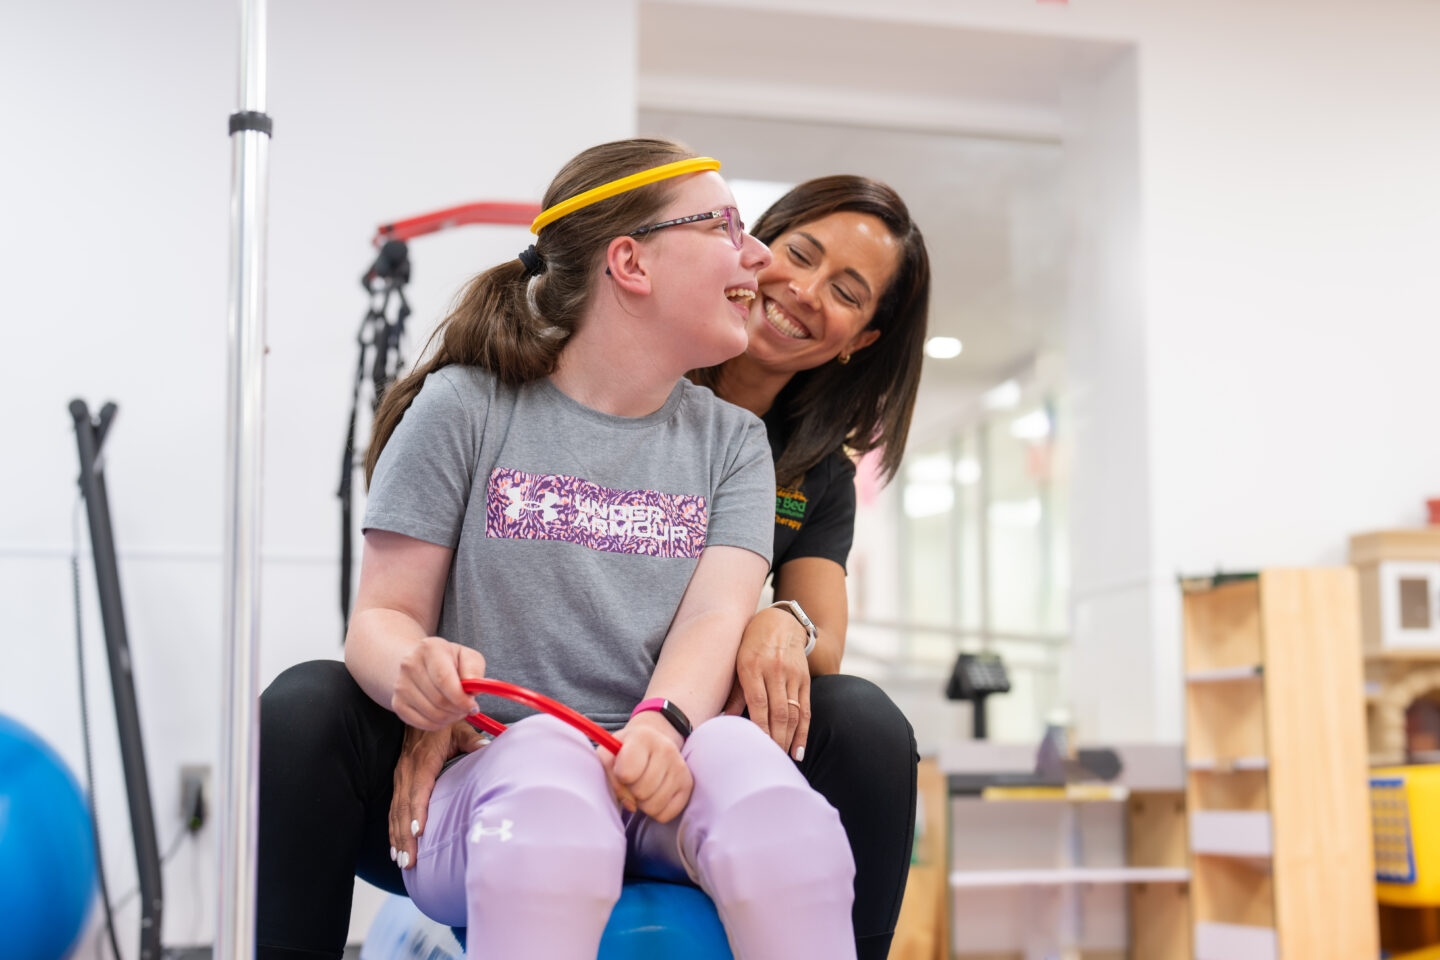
[(385, 282)]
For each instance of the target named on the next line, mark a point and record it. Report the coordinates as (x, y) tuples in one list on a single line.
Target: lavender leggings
[(525, 845)]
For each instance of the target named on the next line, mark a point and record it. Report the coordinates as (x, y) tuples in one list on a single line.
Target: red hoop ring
[(510, 691)]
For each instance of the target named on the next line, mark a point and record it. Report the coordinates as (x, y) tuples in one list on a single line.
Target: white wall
[(1280, 371), (1106, 395), (1285, 331), (114, 202)]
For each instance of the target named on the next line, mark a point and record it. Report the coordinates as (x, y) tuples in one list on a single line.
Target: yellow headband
[(606, 190)]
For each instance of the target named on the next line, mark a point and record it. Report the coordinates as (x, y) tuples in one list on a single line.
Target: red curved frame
[(489, 211), (510, 691)]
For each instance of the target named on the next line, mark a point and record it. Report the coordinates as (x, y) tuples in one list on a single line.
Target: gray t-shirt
[(575, 532)]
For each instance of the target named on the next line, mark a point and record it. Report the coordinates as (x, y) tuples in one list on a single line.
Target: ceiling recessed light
[(1034, 425), (1002, 397), (943, 348)]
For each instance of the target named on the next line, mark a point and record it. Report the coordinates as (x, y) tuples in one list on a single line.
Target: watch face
[(677, 718)]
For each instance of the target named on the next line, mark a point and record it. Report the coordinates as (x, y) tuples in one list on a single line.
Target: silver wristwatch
[(805, 622)]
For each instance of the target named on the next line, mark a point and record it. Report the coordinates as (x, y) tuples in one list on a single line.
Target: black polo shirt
[(817, 518)]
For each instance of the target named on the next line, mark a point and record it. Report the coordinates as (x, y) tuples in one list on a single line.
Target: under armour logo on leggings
[(502, 831)]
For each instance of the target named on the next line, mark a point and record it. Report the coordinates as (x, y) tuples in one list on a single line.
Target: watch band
[(669, 711), (805, 622)]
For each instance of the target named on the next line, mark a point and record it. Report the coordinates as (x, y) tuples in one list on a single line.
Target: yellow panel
[(1405, 821)]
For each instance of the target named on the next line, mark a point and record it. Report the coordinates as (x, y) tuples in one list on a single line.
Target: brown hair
[(514, 325), (867, 403)]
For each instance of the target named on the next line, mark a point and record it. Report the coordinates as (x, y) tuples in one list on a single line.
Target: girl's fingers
[(631, 764), (672, 796), (442, 671), (622, 794), (650, 781)]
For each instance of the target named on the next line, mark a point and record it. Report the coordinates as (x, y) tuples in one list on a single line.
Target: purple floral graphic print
[(532, 506)]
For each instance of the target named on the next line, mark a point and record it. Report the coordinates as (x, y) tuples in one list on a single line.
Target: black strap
[(347, 478), (385, 282), (251, 120)]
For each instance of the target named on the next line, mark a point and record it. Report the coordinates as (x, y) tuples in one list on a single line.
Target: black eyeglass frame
[(733, 224)]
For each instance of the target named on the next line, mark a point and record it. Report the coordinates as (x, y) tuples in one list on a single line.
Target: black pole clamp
[(251, 120)]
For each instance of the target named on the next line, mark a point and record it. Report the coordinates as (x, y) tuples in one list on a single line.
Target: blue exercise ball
[(47, 849), (663, 920), (652, 920)]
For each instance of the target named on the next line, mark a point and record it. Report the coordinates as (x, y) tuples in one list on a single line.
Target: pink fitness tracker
[(669, 711)]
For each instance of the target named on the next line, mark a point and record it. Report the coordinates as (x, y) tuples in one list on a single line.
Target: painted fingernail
[(799, 754), (404, 859), (394, 853), (414, 828)]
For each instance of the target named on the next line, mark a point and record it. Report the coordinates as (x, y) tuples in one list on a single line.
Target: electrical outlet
[(194, 795)]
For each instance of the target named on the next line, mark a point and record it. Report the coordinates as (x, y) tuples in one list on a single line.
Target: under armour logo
[(502, 831), (545, 507)]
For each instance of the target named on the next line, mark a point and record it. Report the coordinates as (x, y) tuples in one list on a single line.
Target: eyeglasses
[(731, 215)]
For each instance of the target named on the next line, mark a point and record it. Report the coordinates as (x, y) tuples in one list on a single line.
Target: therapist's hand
[(422, 754), (772, 679)]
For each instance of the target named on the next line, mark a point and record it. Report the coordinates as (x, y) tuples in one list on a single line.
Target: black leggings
[(327, 762)]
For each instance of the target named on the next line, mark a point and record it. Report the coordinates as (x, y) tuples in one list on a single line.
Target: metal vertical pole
[(245, 396), (982, 438)]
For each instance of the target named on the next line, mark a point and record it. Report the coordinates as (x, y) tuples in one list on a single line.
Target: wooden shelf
[(1403, 654), (1070, 793), (1273, 667), (1226, 720), (1249, 671), (1234, 765), (1235, 941), (1067, 876), (1231, 833)]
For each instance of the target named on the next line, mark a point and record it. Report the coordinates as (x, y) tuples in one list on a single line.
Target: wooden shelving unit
[(1280, 840), (1095, 871), (1159, 913)]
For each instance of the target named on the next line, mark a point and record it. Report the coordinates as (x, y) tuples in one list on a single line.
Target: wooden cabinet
[(1094, 871), (1280, 841)]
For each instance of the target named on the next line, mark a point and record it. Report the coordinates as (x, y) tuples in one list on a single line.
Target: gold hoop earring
[(843, 358)]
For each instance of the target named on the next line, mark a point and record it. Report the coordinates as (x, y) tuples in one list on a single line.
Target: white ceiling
[(965, 125)]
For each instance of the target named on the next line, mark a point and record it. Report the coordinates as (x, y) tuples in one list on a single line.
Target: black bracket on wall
[(90, 435)]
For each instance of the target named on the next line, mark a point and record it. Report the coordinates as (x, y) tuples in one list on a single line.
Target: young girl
[(552, 504)]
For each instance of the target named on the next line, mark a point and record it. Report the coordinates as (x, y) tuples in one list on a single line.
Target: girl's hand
[(427, 691), (422, 755), (649, 774), (772, 678)]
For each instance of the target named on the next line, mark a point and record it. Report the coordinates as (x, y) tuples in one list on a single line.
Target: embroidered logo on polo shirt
[(790, 507), (535, 506)]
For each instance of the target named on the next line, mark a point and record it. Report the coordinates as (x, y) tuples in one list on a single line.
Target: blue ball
[(47, 849), (654, 919)]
